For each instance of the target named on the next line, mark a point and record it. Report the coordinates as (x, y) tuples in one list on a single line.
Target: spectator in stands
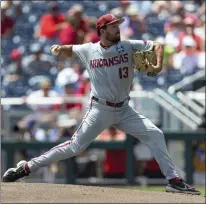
[(189, 30), (76, 27), (32, 131), (163, 9), (16, 67), (136, 24), (78, 68), (28, 128), (44, 56), (115, 160), (75, 14), (42, 114), (71, 34), (38, 66), (17, 7), (14, 82), (180, 10), (168, 75), (69, 91), (45, 91), (91, 35), (84, 86), (173, 28), (187, 60), (72, 74), (14, 8), (7, 22), (66, 75), (51, 23), (16, 85), (65, 128), (154, 22)]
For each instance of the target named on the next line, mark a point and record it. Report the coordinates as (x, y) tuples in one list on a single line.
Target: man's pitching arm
[(63, 51), (158, 48)]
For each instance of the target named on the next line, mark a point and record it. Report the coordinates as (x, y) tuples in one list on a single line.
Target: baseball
[(55, 49)]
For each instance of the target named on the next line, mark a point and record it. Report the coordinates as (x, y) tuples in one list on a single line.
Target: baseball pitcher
[(110, 64)]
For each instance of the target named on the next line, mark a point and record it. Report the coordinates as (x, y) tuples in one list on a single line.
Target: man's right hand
[(55, 49), (63, 51)]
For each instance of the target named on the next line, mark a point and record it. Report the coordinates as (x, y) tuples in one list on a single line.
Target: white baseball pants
[(99, 117)]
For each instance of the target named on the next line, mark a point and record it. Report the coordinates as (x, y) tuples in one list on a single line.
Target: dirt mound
[(59, 193)]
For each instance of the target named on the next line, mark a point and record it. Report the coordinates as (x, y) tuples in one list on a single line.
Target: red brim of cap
[(117, 21)]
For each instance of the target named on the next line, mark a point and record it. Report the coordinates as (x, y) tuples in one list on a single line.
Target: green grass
[(158, 188)]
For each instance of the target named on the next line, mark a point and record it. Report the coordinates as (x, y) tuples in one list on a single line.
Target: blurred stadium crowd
[(29, 28)]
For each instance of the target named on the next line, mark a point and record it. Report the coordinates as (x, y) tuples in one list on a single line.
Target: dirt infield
[(59, 193)]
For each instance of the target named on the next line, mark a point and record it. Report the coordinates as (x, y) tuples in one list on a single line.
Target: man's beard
[(114, 39)]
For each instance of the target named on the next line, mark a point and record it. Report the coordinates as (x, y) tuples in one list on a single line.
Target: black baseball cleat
[(179, 186), (13, 174)]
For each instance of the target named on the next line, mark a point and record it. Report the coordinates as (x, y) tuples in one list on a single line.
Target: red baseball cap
[(15, 54), (189, 21), (107, 19)]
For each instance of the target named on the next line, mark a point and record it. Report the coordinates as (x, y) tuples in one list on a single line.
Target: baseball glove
[(142, 61)]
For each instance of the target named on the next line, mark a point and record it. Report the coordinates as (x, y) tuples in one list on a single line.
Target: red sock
[(27, 167), (176, 179)]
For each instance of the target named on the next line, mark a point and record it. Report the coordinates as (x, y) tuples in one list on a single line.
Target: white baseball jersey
[(110, 69)]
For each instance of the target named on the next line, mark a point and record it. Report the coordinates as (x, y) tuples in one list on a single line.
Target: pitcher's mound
[(59, 193)]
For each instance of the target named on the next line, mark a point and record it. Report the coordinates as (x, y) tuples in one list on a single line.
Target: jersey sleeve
[(141, 45), (82, 51)]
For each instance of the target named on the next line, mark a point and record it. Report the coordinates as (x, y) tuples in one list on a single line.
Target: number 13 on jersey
[(123, 72)]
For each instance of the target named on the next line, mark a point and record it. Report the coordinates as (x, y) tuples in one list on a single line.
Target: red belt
[(109, 103)]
